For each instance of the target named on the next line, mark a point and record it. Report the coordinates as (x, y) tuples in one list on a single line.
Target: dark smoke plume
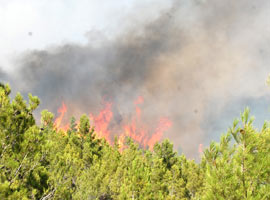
[(190, 63)]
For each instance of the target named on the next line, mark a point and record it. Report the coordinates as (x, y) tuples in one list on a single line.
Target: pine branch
[(18, 169)]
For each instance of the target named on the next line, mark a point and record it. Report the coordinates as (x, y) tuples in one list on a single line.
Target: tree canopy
[(41, 162)]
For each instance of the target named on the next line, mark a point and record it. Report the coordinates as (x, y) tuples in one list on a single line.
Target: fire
[(136, 129), (101, 122), (62, 110), (163, 125)]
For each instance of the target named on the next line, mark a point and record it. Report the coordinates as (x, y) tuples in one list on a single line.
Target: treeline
[(39, 162)]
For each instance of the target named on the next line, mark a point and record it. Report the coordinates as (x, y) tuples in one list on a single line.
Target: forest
[(38, 161)]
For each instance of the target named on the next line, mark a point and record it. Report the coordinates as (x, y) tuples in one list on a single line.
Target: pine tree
[(238, 170), (23, 173)]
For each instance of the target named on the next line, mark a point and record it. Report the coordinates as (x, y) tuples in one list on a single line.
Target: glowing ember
[(136, 129)]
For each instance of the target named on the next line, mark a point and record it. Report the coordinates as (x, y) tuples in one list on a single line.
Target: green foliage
[(237, 170), (47, 119), (22, 174), (84, 126), (40, 162)]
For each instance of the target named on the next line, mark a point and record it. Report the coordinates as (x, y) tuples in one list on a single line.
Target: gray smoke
[(3, 75), (190, 64)]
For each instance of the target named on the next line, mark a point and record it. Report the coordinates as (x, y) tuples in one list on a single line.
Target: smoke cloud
[(190, 63), (3, 75)]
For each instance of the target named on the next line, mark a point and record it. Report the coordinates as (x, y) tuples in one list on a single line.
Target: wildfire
[(136, 129), (101, 122), (163, 125), (62, 110)]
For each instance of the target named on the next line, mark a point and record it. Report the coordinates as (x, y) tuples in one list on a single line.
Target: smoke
[(3, 75), (189, 64)]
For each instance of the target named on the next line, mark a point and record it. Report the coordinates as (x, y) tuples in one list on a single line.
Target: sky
[(37, 24), (197, 62), (31, 24)]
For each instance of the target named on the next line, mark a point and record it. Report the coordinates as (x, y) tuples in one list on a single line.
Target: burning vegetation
[(136, 129), (190, 61), (80, 161), (180, 74)]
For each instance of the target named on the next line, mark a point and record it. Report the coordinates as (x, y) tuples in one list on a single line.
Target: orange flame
[(163, 125), (59, 119), (102, 121), (136, 130)]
